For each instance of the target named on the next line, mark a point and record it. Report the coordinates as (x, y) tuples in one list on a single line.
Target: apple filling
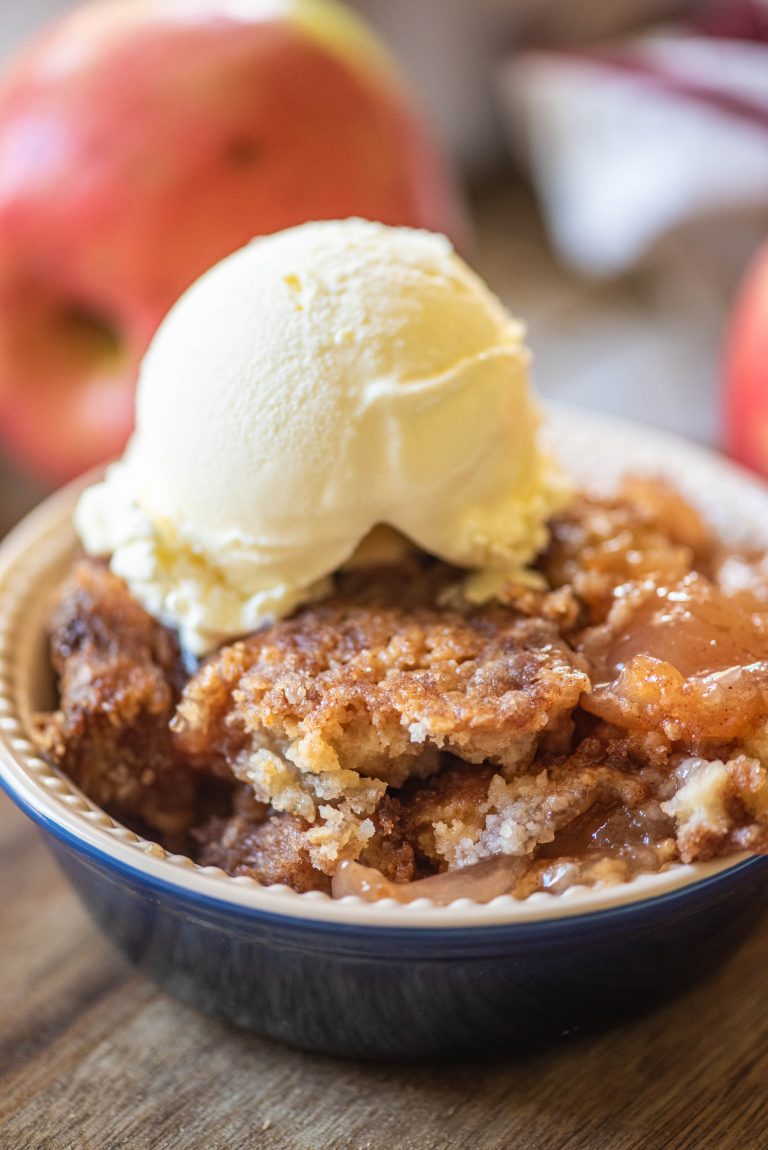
[(395, 741), (682, 658)]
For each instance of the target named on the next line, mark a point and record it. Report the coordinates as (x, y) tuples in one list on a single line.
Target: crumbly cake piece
[(461, 817), (119, 675), (273, 848), (618, 806), (719, 807), (320, 713)]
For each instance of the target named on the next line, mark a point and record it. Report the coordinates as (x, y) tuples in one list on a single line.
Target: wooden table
[(93, 1057)]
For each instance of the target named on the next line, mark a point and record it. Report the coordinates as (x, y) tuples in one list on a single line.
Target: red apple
[(143, 140), (746, 397)]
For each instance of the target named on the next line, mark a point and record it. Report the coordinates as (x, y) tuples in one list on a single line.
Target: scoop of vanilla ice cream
[(311, 386)]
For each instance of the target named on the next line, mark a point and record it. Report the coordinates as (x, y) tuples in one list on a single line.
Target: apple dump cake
[(395, 739), (341, 623)]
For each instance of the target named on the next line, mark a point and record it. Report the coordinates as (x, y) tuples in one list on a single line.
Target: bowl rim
[(53, 801)]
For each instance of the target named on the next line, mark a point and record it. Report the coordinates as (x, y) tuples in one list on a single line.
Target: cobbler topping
[(396, 741), (321, 713)]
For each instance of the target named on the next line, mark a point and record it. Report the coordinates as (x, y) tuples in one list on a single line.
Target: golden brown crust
[(645, 531), (384, 687), (319, 713), (118, 673)]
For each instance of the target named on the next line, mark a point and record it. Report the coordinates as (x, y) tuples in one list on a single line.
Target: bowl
[(381, 980)]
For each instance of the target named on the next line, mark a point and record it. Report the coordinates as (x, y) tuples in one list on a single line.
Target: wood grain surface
[(94, 1057)]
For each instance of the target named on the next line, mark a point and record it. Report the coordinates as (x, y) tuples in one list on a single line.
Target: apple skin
[(141, 141), (746, 392)]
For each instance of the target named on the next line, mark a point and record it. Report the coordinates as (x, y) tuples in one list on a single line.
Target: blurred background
[(614, 160)]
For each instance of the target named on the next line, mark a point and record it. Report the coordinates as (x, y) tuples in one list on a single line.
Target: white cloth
[(626, 144)]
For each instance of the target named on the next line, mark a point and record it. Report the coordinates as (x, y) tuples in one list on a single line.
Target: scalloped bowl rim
[(45, 539)]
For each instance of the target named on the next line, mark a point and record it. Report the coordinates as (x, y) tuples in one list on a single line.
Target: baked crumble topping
[(395, 740)]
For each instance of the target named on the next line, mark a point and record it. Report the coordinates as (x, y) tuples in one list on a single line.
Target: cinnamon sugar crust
[(322, 712)]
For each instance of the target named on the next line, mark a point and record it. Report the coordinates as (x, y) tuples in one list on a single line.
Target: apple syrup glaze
[(683, 657), (691, 626)]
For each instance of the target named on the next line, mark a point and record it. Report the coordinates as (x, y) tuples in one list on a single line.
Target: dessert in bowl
[(377, 734)]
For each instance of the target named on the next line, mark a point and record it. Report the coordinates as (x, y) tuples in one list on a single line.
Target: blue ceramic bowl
[(376, 980)]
